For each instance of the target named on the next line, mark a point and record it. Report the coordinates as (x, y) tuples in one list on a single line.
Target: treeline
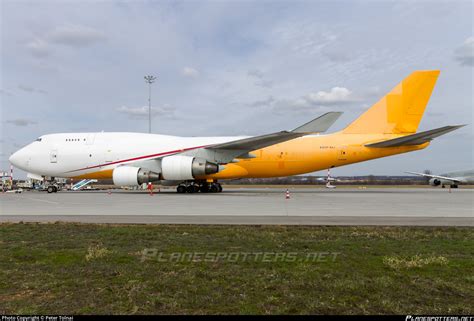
[(312, 180), (341, 180)]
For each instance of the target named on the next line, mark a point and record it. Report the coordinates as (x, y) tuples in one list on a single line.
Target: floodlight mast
[(149, 79)]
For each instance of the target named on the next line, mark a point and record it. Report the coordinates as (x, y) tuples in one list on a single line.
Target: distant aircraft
[(452, 179), (197, 163)]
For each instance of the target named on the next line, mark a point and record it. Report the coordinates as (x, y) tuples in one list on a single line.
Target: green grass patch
[(158, 269)]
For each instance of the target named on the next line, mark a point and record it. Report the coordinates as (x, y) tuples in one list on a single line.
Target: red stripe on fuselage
[(138, 158)]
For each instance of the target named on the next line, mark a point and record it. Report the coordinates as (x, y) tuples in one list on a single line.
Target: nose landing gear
[(203, 187)]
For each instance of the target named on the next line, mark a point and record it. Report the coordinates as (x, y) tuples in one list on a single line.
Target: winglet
[(320, 124)]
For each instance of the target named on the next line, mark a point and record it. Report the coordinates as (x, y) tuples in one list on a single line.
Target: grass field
[(127, 269)]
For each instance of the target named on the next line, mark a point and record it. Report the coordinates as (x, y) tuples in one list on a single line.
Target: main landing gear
[(195, 187)]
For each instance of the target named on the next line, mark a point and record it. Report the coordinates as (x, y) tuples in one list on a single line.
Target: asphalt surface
[(306, 206)]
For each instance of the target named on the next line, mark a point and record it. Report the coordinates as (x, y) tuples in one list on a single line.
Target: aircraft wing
[(318, 125), (415, 139), (227, 152), (257, 142), (436, 176)]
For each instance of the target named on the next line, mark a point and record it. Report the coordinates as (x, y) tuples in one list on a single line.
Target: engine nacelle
[(435, 182), (180, 167), (133, 176)]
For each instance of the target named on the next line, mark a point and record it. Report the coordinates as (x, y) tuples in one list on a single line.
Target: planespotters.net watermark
[(234, 257), (438, 318)]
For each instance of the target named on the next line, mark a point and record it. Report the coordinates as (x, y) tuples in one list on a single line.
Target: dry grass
[(416, 261), (96, 251)]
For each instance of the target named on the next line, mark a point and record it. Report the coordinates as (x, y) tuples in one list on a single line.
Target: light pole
[(149, 79)]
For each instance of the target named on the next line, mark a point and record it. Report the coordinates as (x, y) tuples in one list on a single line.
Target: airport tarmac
[(306, 206)]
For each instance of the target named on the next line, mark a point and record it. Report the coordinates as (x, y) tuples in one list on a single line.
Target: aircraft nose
[(14, 158), (17, 159)]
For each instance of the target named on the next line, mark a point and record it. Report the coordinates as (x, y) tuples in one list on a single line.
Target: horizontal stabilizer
[(415, 139), (320, 124)]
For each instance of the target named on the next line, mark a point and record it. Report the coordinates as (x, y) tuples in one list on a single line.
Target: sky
[(232, 68)]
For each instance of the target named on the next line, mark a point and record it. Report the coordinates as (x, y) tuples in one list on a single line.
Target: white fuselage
[(75, 154)]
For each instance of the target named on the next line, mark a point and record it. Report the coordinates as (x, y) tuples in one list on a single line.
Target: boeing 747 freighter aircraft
[(197, 163)]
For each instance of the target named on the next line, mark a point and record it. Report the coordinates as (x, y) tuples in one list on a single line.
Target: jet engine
[(133, 176), (435, 182), (180, 167)]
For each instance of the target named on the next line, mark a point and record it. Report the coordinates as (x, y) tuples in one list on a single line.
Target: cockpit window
[(38, 139)]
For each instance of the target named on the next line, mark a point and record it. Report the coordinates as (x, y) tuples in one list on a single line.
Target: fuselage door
[(53, 156), (90, 138), (92, 150)]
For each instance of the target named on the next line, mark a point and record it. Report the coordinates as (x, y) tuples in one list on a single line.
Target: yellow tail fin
[(400, 111)]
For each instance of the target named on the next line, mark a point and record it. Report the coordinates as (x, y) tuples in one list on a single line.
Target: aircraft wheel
[(214, 188), (204, 188), (50, 189), (442, 186), (181, 189), (454, 186), (55, 189), (191, 188), (219, 186)]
